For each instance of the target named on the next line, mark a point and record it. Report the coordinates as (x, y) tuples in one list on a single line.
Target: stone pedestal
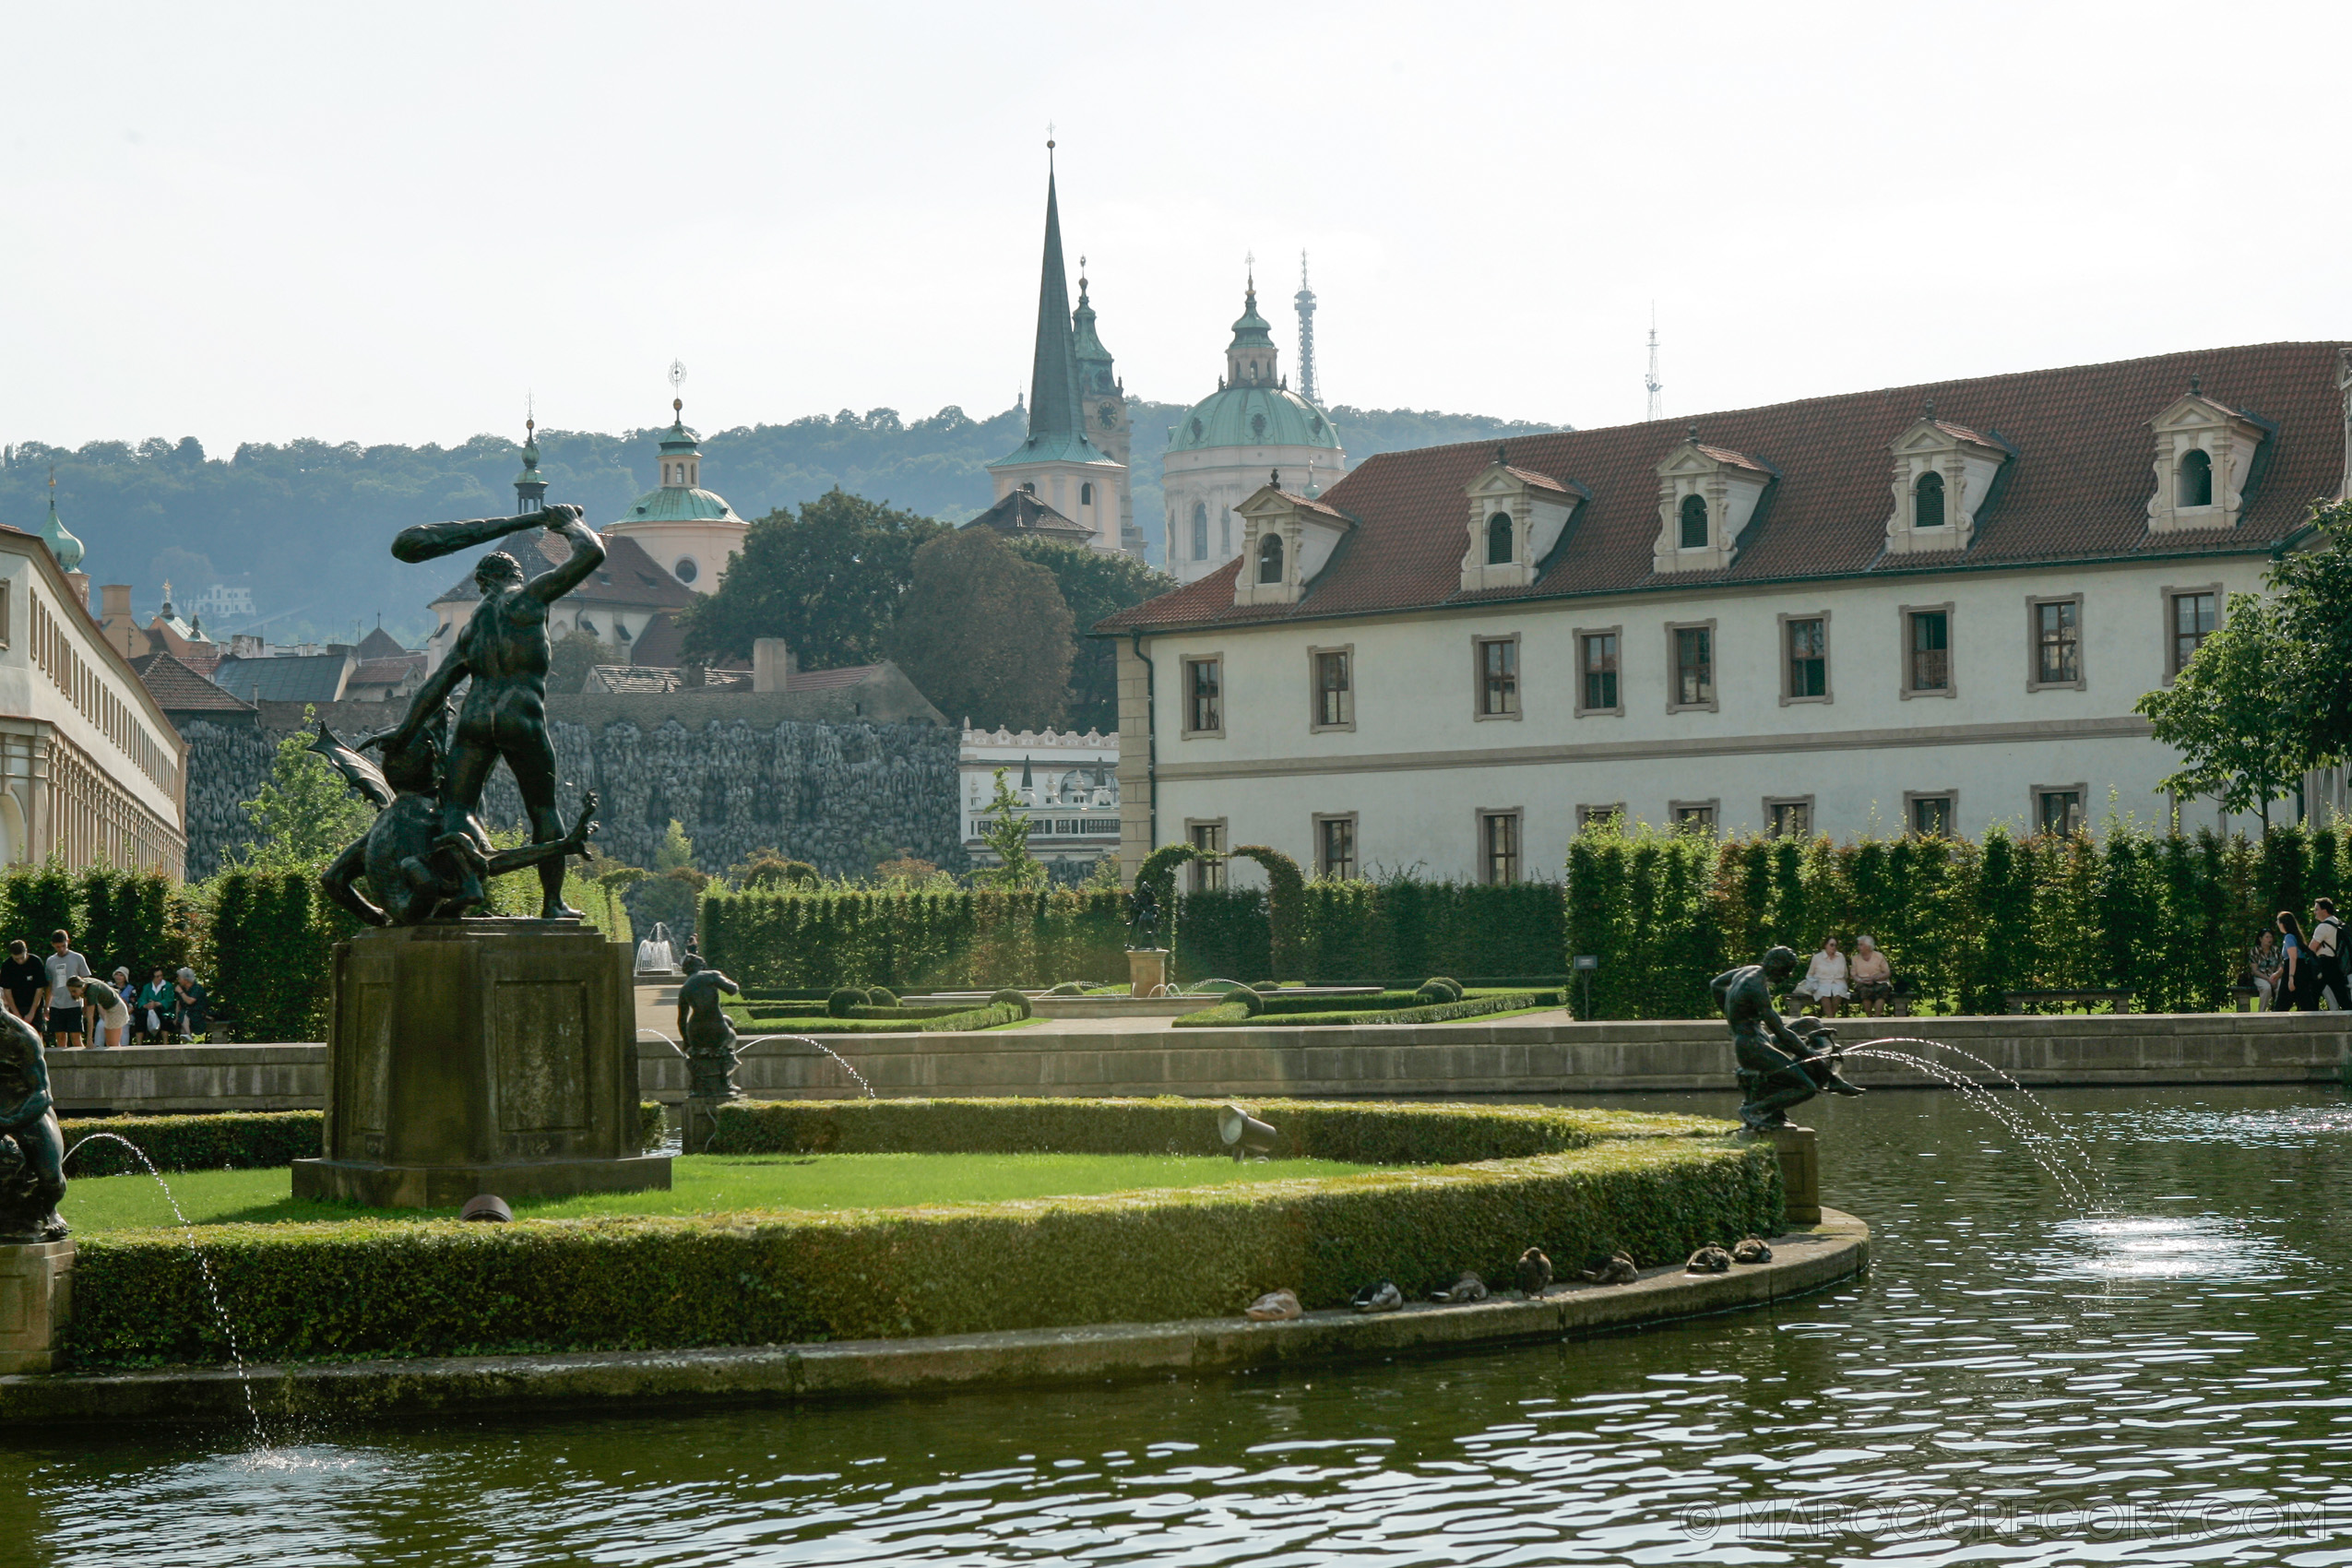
[(698, 1120), (1800, 1170), (479, 1056), (36, 1296), (1146, 970)]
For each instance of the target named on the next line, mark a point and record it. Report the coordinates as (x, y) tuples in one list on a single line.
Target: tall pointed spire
[(1057, 418), (1053, 373)]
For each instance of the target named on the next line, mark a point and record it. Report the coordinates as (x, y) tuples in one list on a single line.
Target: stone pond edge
[(1806, 1259)]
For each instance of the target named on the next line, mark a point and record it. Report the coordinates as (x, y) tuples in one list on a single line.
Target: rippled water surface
[(2015, 1382)]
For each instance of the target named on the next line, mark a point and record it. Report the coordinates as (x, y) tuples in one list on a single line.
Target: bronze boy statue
[(29, 1191), (1779, 1066), (708, 1034)]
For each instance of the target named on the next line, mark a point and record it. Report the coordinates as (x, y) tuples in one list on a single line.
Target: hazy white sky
[(388, 223)]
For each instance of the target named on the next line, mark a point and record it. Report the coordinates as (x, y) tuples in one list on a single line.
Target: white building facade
[(1068, 785), (1930, 608)]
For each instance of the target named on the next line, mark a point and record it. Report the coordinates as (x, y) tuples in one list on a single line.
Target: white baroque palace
[(1068, 785), (1928, 608)]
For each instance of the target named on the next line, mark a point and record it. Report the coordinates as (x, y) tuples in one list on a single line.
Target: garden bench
[(2244, 997), (2019, 1000)]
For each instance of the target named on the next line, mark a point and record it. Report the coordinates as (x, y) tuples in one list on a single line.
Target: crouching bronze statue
[(421, 862), (1780, 1065), (32, 1147)]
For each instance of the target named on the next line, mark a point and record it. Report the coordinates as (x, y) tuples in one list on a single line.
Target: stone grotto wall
[(842, 796)]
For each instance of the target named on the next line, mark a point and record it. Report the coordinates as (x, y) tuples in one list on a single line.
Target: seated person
[(1873, 976), (2263, 963), (1824, 983)]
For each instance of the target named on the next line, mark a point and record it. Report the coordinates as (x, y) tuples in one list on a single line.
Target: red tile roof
[(629, 577), (2076, 489), (178, 689)]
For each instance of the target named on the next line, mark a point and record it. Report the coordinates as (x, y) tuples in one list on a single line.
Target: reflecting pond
[(2015, 1382)]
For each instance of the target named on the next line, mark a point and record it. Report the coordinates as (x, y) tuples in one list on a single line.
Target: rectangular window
[(1932, 815), (1598, 656), (2194, 618), (1693, 674), (2058, 642), (1334, 696), (1696, 815), (1806, 676), (1209, 837), (1790, 818), (1498, 846), (1498, 677), (1927, 639), (1204, 697), (1336, 847), (1593, 816), (2060, 810)]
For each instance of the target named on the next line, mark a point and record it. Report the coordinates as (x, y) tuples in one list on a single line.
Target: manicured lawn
[(709, 1183)]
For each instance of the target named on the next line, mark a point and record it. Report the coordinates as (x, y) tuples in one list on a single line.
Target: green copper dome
[(1252, 416), (676, 503), (63, 545)]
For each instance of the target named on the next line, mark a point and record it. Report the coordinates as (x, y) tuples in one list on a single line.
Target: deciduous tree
[(983, 634), (828, 581), (1094, 584), (2227, 714)]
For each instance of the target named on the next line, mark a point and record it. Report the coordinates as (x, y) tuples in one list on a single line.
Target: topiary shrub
[(1284, 902), (1010, 999), (1248, 1001), (1069, 988), (1439, 989), (845, 1001), (880, 996)]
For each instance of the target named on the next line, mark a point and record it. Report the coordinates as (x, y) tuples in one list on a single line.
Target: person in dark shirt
[(24, 984)]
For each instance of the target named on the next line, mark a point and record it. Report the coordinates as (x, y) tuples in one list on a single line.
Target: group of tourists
[(1832, 980), (72, 1008), (2291, 969)]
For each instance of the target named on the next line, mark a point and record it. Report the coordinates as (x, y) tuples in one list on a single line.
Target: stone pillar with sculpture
[(1781, 1064)]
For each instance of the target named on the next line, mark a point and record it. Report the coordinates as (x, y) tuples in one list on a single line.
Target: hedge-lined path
[(1803, 1260)]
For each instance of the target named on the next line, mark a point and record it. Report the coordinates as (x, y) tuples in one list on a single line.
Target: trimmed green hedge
[(1230, 1015), (1360, 1133), (232, 1140), (1340, 931), (442, 1288), (242, 1140), (2169, 916), (881, 1021)]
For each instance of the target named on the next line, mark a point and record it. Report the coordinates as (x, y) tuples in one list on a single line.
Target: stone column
[(1800, 1170), (1146, 970), (36, 1296)]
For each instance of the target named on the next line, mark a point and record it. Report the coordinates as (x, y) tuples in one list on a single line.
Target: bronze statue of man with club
[(503, 654)]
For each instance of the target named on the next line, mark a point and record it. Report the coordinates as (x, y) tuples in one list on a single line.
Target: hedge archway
[(1285, 904)]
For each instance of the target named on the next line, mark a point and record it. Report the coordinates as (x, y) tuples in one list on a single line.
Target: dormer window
[(1516, 517), (1927, 501), (1694, 523), (1943, 474), (2196, 477), (1287, 539), (2206, 464), (1706, 497)]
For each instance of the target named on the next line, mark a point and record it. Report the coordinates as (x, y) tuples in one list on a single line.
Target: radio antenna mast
[(1657, 405)]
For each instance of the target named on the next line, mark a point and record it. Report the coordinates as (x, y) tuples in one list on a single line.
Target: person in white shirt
[(1824, 984), (2327, 956)]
